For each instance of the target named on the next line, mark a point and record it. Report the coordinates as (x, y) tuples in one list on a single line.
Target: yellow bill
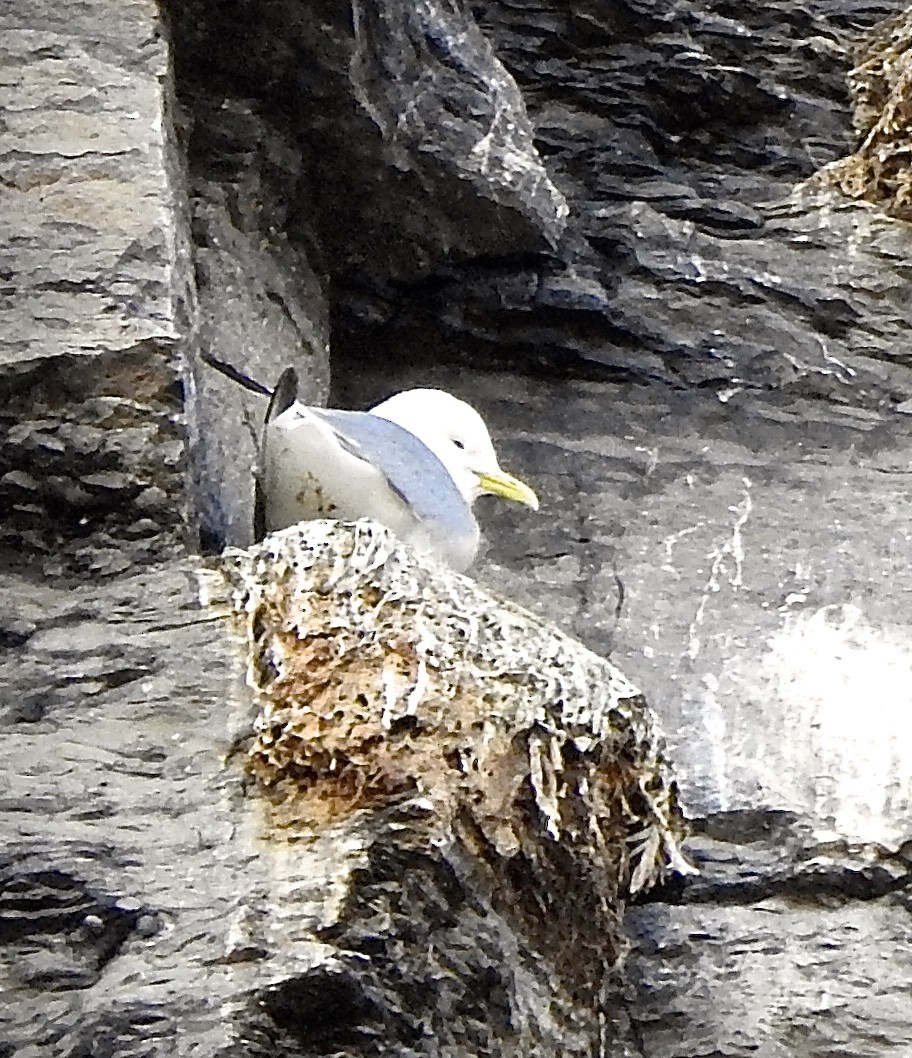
[(508, 488)]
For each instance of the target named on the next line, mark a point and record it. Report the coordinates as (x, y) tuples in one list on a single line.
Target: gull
[(416, 463)]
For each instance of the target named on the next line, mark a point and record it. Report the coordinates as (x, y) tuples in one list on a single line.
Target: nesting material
[(881, 84), (381, 675)]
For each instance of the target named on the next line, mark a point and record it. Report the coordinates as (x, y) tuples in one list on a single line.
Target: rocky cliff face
[(662, 247)]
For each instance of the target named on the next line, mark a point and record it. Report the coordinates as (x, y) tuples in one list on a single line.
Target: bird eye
[(459, 444)]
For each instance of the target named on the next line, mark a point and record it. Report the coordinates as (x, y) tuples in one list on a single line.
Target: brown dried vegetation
[(383, 678), (879, 171)]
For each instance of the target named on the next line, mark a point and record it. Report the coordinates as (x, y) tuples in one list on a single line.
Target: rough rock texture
[(655, 195), (151, 898), (389, 187), (261, 306), (678, 134), (533, 766), (96, 286), (92, 209), (746, 561), (126, 259)]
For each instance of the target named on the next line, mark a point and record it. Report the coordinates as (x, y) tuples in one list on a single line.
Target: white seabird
[(415, 463)]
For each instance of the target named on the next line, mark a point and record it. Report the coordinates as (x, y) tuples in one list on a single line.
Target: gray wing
[(411, 469)]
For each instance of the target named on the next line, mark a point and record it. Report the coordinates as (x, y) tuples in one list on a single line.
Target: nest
[(879, 171), (381, 677)]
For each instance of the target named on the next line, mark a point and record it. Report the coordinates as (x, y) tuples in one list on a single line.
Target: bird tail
[(284, 394), (230, 371), (281, 396)]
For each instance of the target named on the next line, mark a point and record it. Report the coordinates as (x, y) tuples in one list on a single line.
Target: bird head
[(458, 436)]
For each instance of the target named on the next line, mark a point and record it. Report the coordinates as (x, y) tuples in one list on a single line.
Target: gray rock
[(418, 147), (391, 174), (99, 280), (746, 561), (261, 306), (146, 879), (681, 139)]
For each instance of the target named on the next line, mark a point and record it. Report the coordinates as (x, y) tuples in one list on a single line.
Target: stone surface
[(129, 260), (96, 259), (679, 135), (91, 215), (418, 150), (732, 530), (129, 882), (261, 306), (152, 897), (747, 562)]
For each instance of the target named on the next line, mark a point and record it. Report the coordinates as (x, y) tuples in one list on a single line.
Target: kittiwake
[(416, 463)]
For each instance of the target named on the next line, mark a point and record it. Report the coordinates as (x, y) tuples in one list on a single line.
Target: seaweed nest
[(382, 677), (879, 170)]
